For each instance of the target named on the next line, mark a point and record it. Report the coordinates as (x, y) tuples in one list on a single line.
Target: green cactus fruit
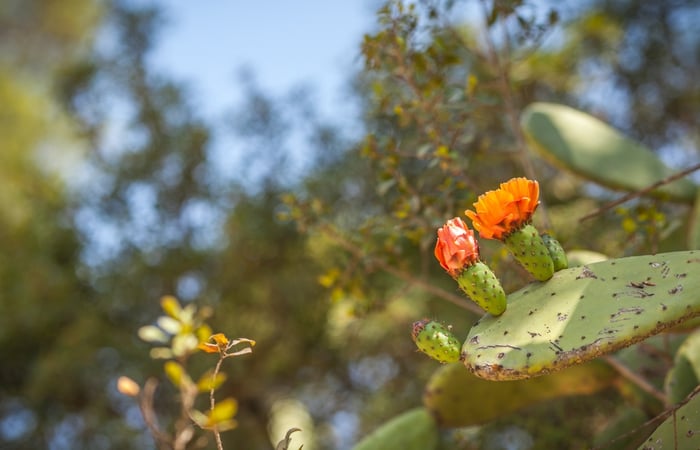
[(482, 286), (585, 312), (530, 251), (563, 136), (556, 252), (456, 398), (412, 430), (436, 340), (679, 430)]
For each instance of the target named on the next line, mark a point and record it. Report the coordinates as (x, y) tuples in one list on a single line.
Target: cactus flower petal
[(456, 246), (504, 210)]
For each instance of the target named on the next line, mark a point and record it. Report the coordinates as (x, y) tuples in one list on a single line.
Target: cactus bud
[(556, 251), (529, 250), (505, 214), (436, 340), (458, 253)]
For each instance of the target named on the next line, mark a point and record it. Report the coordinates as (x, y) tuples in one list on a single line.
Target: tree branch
[(641, 192)]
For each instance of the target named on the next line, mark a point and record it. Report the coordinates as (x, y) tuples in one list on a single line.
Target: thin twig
[(636, 379), (163, 441), (641, 192), (660, 417), (212, 401)]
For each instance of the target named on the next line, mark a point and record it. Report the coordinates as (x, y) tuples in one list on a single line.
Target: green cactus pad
[(482, 286), (529, 250), (685, 375), (436, 340), (556, 251), (681, 430), (583, 257), (412, 430), (694, 225), (576, 141), (584, 312), (457, 398)]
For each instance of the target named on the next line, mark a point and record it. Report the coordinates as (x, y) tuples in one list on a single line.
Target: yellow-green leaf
[(171, 306), (220, 339), (207, 382), (153, 334), (223, 411), (175, 372), (169, 325)]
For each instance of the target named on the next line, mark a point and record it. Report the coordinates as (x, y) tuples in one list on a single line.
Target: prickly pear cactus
[(681, 430), (582, 144), (556, 251), (436, 340), (584, 312), (412, 430), (529, 249), (685, 374), (456, 398), (482, 286)]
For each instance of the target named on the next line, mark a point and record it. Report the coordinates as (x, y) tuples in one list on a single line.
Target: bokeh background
[(287, 164)]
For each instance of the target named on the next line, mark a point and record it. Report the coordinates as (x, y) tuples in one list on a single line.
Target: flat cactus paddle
[(584, 312)]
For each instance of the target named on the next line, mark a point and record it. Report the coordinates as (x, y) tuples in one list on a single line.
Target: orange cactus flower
[(456, 246), (507, 209)]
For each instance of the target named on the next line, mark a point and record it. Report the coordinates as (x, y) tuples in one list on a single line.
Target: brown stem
[(641, 192), (163, 441), (212, 401)]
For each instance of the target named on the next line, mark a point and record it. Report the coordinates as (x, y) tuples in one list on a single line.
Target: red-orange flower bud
[(456, 247)]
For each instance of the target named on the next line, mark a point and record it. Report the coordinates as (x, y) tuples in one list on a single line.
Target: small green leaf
[(207, 382), (161, 353), (175, 372), (184, 344), (153, 334), (169, 325), (171, 306), (223, 411)]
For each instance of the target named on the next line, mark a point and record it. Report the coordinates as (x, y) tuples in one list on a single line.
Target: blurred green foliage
[(111, 198)]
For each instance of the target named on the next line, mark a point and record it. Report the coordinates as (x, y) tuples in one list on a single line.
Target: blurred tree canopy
[(111, 197)]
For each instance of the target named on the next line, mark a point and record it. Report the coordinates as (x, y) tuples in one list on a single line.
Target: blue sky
[(284, 43)]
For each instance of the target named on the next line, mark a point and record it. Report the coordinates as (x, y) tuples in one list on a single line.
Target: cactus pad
[(584, 145), (456, 398), (584, 312), (679, 430), (412, 430), (685, 374)]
